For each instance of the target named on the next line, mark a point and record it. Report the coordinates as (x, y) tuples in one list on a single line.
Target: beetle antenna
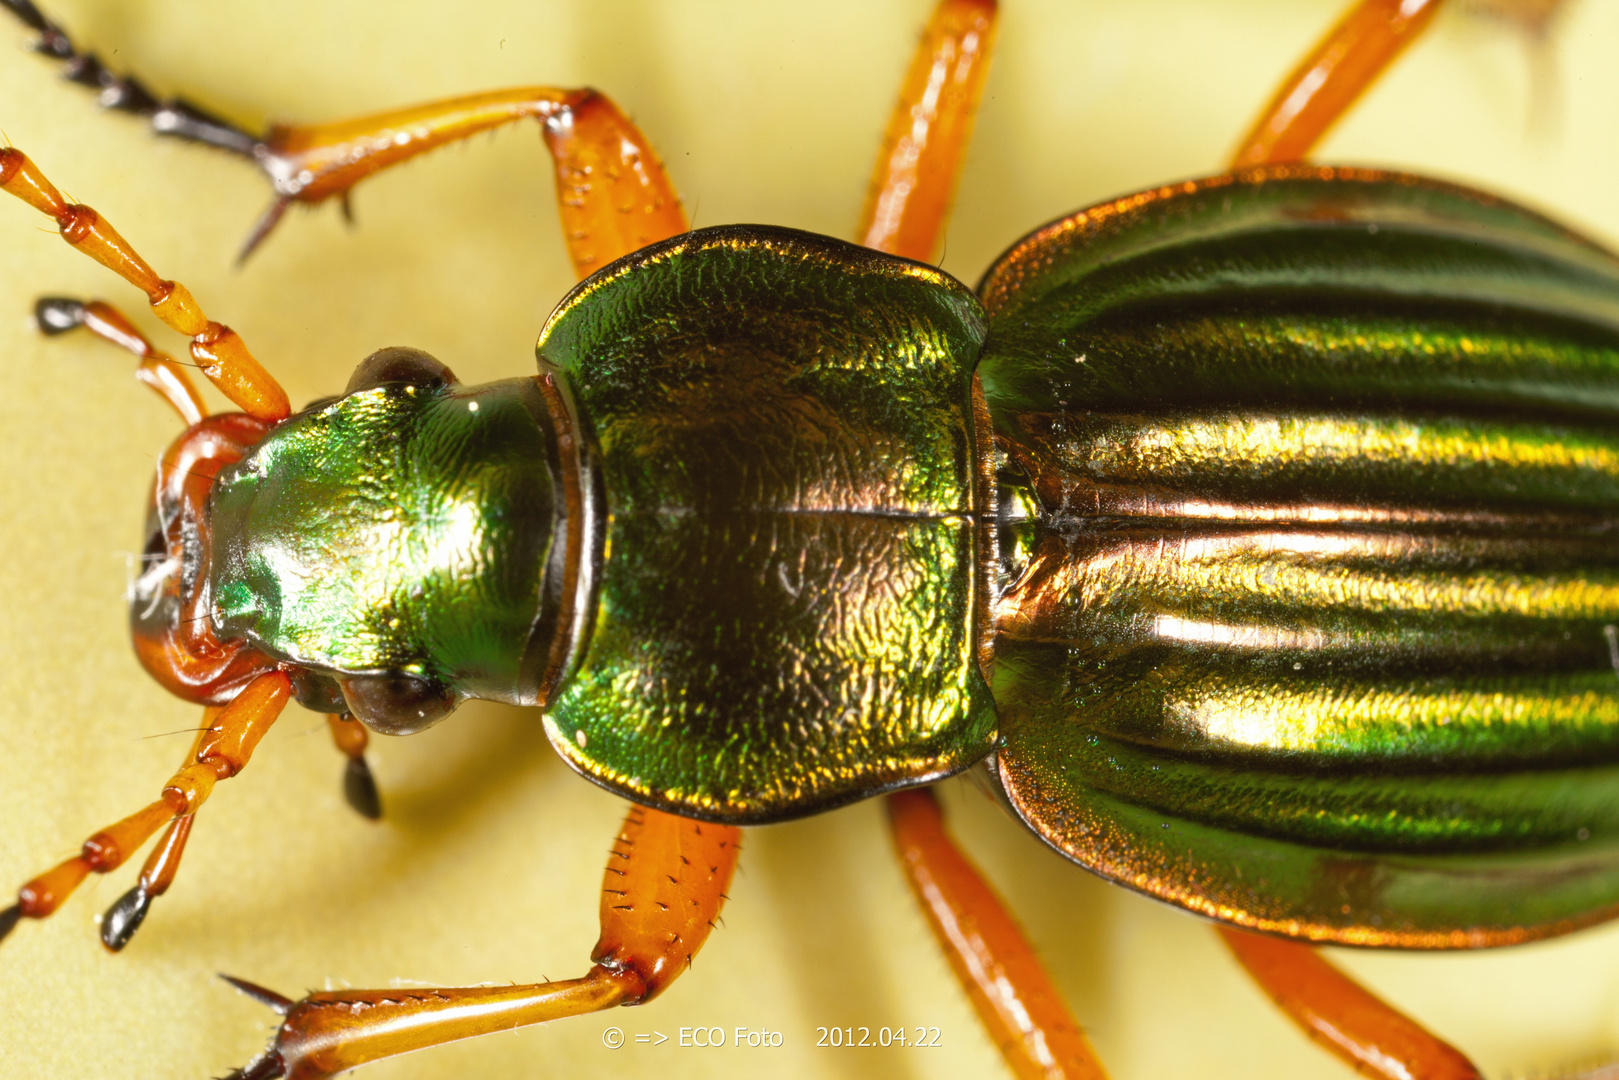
[(60, 314), (224, 357)]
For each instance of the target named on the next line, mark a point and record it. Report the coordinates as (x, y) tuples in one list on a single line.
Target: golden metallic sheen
[(1309, 626), (789, 594)]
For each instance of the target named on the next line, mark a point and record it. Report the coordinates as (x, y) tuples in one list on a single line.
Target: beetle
[(216, 242)]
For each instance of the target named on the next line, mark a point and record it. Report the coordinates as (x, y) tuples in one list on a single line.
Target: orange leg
[(1335, 1011), (216, 348), (59, 314), (222, 748), (359, 786), (1332, 77), (1011, 991), (612, 192), (664, 887), (927, 135)]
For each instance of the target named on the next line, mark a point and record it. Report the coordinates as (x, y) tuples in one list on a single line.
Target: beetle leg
[(1343, 64), (59, 314), (663, 888), (359, 786), (915, 177), (1012, 993), (216, 348), (612, 192), (222, 748), (1335, 1011), (172, 117)]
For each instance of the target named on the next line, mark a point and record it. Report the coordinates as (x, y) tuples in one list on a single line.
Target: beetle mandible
[(215, 242)]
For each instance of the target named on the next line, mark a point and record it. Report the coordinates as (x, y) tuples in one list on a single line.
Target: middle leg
[(906, 207), (926, 141), (1009, 989)]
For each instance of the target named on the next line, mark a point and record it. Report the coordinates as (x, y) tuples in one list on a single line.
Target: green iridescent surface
[(1307, 614), (786, 606), (1310, 629), (402, 528)]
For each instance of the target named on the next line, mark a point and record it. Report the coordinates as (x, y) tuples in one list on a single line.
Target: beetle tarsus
[(360, 789), (261, 994), (9, 919), (267, 1066), (174, 117), (29, 14), (125, 916)]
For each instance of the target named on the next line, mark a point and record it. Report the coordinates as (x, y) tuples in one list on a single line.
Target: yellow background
[(488, 864)]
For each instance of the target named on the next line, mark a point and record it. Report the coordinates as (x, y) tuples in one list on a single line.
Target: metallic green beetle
[(1259, 531)]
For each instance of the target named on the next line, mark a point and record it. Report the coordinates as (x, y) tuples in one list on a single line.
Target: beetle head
[(169, 603)]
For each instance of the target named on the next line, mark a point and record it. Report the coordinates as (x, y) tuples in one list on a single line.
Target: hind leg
[(1342, 66)]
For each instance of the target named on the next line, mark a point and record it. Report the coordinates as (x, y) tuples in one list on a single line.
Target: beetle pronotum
[(311, 299)]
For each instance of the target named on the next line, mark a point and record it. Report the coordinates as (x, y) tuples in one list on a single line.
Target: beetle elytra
[(95, 467)]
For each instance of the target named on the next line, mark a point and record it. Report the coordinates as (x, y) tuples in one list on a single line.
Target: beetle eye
[(395, 704), (398, 364)]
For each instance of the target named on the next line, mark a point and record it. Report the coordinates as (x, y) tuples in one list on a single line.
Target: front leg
[(612, 192), (662, 891)]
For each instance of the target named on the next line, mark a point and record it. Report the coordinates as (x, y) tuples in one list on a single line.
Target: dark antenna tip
[(9, 919), (58, 314), (125, 916)]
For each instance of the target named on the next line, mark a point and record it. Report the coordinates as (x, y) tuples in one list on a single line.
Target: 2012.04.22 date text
[(882, 1037)]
